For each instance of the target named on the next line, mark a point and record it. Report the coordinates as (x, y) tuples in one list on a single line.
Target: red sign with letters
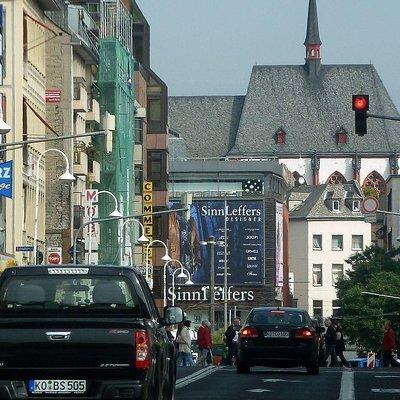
[(53, 95)]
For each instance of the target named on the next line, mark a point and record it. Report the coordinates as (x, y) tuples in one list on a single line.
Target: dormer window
[(356, 205), (335, 205), (341, 136), (280, 137)]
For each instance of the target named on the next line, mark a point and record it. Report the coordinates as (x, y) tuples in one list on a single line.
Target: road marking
[(387, 376), (280, 380), (347, 386), (187, 380), (385, 390), (258, 390)]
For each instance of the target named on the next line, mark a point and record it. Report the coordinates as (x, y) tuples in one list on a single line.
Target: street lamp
[(4, 128), (165, 257), (66, 177), (165, 276), (142, 239), (180, 275), (115, 213)]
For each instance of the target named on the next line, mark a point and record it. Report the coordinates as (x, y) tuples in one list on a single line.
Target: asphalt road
[(263, 383)]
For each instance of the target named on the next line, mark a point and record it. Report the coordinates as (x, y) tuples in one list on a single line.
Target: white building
[(326, 228)]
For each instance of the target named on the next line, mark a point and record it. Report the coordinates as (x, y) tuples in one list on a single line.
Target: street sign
[(53, 95), (24, 248), (370, 218), (54, 255), (6, 180), (369, 205)]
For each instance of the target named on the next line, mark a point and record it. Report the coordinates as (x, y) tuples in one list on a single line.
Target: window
[(336, 178), (157, 168), (317, 242), (336, 205), (138, 179), (356, 205), (317, 274), (337, 273), (138, 130), (337, 242), (317, 308), (376, 183), (390, 201), (357, 242), (280, 137), (341, 137), (335, 308), (277, 317), (25, 152), (154, 110)]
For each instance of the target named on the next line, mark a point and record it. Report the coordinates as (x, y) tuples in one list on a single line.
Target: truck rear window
[(69, 294)]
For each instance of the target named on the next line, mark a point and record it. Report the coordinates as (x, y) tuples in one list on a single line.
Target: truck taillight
[(303, 333), (249, 332), (142, 346)]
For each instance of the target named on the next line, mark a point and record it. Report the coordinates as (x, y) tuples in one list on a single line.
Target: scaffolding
[(115, 80)]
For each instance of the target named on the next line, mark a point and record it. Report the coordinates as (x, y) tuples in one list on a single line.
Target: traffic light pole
[(382, 117)]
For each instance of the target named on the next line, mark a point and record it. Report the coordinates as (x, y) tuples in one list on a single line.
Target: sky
[(208, 47)]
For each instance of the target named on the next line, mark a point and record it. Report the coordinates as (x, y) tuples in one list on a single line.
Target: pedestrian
[(340, 344), (389, 346), (330, 343), (168, 330), (184, 343), (204, 343), (231, 339)]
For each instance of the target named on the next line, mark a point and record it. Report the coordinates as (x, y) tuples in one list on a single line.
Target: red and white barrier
[(371, 360)]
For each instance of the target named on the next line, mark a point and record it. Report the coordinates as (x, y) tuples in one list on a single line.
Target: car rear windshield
[(69, 294), (277, 317)]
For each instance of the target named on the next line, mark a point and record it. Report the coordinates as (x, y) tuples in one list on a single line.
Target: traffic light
[(360, 108)]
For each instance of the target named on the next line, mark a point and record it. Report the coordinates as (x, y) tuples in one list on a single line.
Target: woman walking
[(184, 342)]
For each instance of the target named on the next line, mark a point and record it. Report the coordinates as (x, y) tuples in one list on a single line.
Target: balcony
[(94, 173), (84, 31), (80, 163), (80, 96), (94, 113)]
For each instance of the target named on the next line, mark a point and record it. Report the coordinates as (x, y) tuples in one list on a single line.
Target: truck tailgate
[(57, 348)]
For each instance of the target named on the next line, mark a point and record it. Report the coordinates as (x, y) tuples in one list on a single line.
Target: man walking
[(389, 346), (204, 343), (330, 343), (231, 339)]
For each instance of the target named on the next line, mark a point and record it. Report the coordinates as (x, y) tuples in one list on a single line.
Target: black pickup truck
[(83, 332)]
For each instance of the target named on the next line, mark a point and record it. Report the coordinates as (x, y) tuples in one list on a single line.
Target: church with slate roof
[(300, 115)]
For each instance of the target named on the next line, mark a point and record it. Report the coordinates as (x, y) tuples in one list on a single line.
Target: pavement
[(276, 384)]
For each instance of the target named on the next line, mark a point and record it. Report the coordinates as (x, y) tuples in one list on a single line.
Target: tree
[(377, 271)]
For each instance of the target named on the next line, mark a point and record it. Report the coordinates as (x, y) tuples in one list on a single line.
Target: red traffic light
[(360, 102)]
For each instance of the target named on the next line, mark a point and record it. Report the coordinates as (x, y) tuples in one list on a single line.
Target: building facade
[(326, 228), (250, 197)]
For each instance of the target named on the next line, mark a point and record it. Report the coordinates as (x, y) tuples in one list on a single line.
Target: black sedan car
[(278, 337)]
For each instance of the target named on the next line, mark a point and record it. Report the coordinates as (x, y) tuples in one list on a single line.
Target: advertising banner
[(279, 245), (245, 240), (6, 171)]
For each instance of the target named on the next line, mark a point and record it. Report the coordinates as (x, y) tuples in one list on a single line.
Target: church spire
[(313, 41)]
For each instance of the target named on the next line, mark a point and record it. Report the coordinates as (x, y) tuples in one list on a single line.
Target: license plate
[(57, 386), (276, 334)]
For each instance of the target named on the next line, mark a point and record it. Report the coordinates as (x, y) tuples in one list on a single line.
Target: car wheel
[(242, 368), (313, 369)]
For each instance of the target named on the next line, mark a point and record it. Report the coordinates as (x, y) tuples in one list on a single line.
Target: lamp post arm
[(99, 220), (35, 235)]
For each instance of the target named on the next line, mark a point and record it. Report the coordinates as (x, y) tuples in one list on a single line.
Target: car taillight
[(249, 332), (142, 346), (304, 333)]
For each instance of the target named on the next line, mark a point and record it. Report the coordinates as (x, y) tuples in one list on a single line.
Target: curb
[(187, 380)]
